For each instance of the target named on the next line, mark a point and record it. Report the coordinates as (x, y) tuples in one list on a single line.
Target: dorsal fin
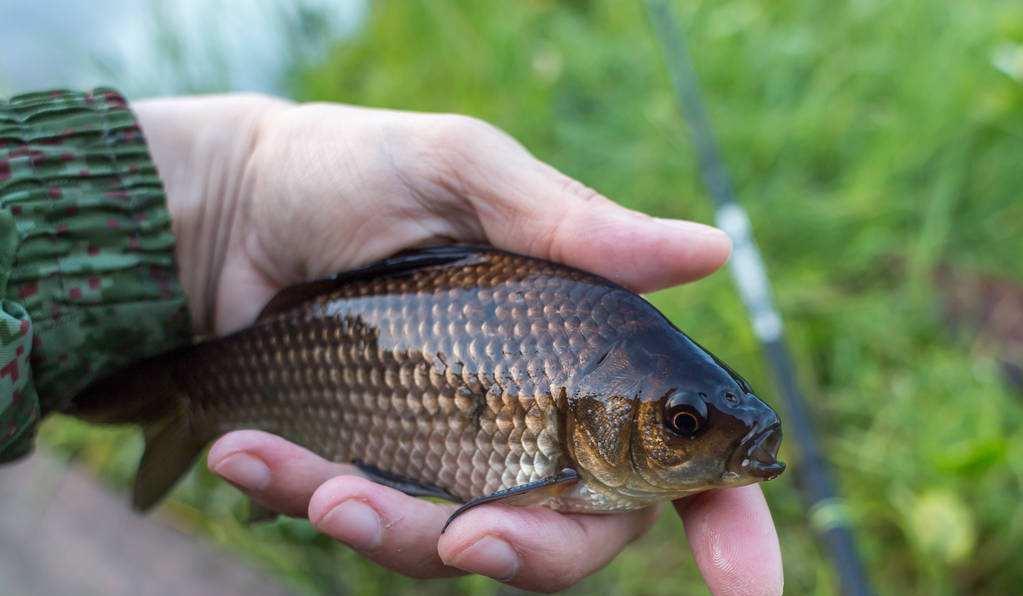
[(403, 263)]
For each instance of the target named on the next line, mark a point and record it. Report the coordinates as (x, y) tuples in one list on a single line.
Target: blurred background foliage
[(873, 143)]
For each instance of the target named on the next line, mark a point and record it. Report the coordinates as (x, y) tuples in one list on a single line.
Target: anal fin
[(523, 494), (260, 514), (171, 448), (149, 394)]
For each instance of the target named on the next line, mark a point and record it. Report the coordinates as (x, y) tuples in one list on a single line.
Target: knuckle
[(462, 138), (450, 150), (574, 188), (458, 129), (546, 240)]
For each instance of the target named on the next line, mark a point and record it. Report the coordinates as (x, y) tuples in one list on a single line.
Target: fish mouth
[(758, 456)]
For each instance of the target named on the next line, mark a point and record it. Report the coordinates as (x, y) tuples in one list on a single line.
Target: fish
[(464, 373)]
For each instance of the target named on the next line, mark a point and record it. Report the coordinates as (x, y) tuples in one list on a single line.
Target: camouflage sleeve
[(87, 271)]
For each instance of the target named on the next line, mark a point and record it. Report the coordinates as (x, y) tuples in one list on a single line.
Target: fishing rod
[(747, 269)]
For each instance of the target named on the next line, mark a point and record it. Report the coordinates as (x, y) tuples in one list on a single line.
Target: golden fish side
[(453, 372)]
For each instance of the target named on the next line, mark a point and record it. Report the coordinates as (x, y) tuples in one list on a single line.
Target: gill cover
[(600, 413)]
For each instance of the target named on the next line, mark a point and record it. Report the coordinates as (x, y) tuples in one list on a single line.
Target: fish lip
[(757, 456)]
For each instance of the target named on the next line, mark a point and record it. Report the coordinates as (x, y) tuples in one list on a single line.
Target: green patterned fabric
[(87, 273)]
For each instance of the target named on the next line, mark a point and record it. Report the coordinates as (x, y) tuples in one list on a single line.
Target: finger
[(535, 548), (389, 527), (733, 541), (274, 472), (564, 221), (529, 207)]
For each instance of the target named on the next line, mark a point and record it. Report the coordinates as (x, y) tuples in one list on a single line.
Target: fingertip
[(488, 555), (712, 246), (641, 252), (275, 472), (538, 211), (535, 548), (512, 545), (232, 458), (333, 492), (243, 470), (511, 523), (237, 441), (734, 541), (342, 509), (393, 529)]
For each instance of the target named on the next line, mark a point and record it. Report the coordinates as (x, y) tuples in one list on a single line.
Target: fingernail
[(244, 470), (354, 523), (489, 556)]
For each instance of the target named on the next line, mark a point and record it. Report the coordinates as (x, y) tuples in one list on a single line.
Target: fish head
[(702, 436), (683, 423)]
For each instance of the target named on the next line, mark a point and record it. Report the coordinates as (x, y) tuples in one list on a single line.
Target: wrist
[(202, 147), (87, 265)]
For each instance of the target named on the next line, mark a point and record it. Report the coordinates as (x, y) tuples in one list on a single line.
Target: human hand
[(266, 194)]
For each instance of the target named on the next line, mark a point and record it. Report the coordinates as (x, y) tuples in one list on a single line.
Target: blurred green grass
[(871, 141)]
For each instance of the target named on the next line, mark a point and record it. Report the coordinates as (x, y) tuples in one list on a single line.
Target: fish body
[(465, 373)]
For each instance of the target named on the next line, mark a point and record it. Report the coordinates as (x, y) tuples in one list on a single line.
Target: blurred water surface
[(163, 46)]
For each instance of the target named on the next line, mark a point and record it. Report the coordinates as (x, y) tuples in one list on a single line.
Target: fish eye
[(682, 418)]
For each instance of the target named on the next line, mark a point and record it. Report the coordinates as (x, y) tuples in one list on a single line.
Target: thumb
[(526, 206)]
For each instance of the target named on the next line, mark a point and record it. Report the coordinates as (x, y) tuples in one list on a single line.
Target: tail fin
[(148, 394)]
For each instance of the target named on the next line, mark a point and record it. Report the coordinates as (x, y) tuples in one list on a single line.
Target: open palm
[(266, 194)]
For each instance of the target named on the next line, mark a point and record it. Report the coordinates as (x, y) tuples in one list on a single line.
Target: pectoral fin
[(601, 411), (524, 494)]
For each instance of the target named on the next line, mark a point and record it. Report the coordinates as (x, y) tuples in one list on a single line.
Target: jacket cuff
[(86, 248)]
